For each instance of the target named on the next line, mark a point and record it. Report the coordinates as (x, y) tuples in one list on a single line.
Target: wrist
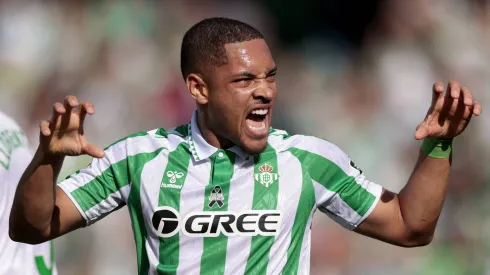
[(437, 148), (44, 158)]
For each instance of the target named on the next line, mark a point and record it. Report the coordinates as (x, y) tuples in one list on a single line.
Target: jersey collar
[(200, 148)]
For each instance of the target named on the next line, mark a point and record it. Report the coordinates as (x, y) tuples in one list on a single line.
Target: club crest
[(266, 177)]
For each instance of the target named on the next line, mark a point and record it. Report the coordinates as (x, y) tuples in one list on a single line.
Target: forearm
[(421, 200), (34, 202)]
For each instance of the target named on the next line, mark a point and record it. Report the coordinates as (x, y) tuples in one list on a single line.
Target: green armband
[(437, 148)]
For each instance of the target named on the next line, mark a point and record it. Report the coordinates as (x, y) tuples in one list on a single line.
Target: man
[(227, 194), (17, 258)]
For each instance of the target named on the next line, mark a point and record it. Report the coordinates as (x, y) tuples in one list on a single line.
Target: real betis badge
[(266, 176)]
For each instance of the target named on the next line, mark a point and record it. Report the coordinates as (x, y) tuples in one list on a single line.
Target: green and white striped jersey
[(196, 209)]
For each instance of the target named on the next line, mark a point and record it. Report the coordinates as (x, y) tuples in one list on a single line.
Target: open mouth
[(257, 120)]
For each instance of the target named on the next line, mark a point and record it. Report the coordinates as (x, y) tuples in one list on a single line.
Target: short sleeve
[(102, 187), (341, 189)]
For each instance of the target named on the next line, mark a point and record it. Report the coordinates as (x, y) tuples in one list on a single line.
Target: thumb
[(421, 132), (94, 151)]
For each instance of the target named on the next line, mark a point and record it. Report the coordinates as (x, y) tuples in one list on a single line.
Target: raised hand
[(449, 113), (63, 134)]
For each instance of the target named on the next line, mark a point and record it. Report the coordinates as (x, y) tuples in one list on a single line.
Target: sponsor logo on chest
[(166, 222)]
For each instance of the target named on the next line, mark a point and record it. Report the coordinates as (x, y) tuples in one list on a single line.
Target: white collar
[(200, 148)]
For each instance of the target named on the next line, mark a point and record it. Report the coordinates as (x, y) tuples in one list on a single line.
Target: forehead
[(252, 56)]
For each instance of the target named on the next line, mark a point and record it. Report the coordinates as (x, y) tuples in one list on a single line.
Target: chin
[(255, 148)]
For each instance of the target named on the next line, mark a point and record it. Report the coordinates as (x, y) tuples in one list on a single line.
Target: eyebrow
[(251, 75), (273, 70)]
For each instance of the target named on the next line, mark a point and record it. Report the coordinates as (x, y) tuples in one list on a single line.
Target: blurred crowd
[(362, 81)]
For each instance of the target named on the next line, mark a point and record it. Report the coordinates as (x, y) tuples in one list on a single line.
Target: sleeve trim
[(84, 215), (377, 194)]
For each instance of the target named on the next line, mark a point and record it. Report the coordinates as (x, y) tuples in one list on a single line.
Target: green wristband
[(437, 148)]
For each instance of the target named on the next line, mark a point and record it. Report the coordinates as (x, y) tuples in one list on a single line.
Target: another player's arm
[(410, 217), (42, 211)]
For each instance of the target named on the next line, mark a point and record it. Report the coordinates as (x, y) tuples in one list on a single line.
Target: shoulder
[(149, 141), (306, 146)]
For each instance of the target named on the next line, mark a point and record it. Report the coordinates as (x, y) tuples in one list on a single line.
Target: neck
[(208, 134)]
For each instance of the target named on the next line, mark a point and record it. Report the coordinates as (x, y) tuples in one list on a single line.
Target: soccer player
[(226, 193), (17, 258)]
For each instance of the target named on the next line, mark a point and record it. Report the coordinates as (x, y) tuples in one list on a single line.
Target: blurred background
[(355, 72)]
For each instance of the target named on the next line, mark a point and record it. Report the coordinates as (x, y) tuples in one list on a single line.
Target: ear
[(198, 88)]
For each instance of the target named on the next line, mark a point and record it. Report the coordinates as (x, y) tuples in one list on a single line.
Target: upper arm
[(100, 188), (66, 216), (386, 222)]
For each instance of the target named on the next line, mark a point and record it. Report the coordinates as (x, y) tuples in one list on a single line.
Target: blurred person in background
[(235, 75), (17, 258)]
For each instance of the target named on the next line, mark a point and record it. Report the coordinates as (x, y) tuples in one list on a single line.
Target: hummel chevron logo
[(174, 175)]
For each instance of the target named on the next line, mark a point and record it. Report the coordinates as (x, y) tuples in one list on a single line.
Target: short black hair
[(203, 44)]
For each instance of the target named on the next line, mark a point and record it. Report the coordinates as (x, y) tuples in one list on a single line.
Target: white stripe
[(106, 206), (240, 199), (323, 148), (192, 199), (174, 141), (290, 186), (151, 177), (304, 258), (343, 214)]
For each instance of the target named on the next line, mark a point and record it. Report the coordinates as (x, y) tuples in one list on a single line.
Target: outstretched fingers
[(85, 108), (437, 96), (422, 131), (44, 127), (477, 109)]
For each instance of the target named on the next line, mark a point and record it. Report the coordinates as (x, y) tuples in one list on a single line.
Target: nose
[(264, 92)]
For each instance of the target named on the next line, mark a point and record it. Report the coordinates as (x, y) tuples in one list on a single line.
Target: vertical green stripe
[(305, 206), (135, 208), (213, 258), (264, 198), (175, 173), (333, 178)]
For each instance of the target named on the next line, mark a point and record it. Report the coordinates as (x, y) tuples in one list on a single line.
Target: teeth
[(261, 112), (261, 127)]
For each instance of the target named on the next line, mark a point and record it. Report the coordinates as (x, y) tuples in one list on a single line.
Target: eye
[(271, 77), (243, 82)]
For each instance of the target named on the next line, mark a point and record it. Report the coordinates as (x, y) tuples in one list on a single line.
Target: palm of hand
[(63, 134)]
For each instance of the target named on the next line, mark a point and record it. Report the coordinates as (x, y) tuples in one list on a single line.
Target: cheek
[(226, 110), (273, 87)]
